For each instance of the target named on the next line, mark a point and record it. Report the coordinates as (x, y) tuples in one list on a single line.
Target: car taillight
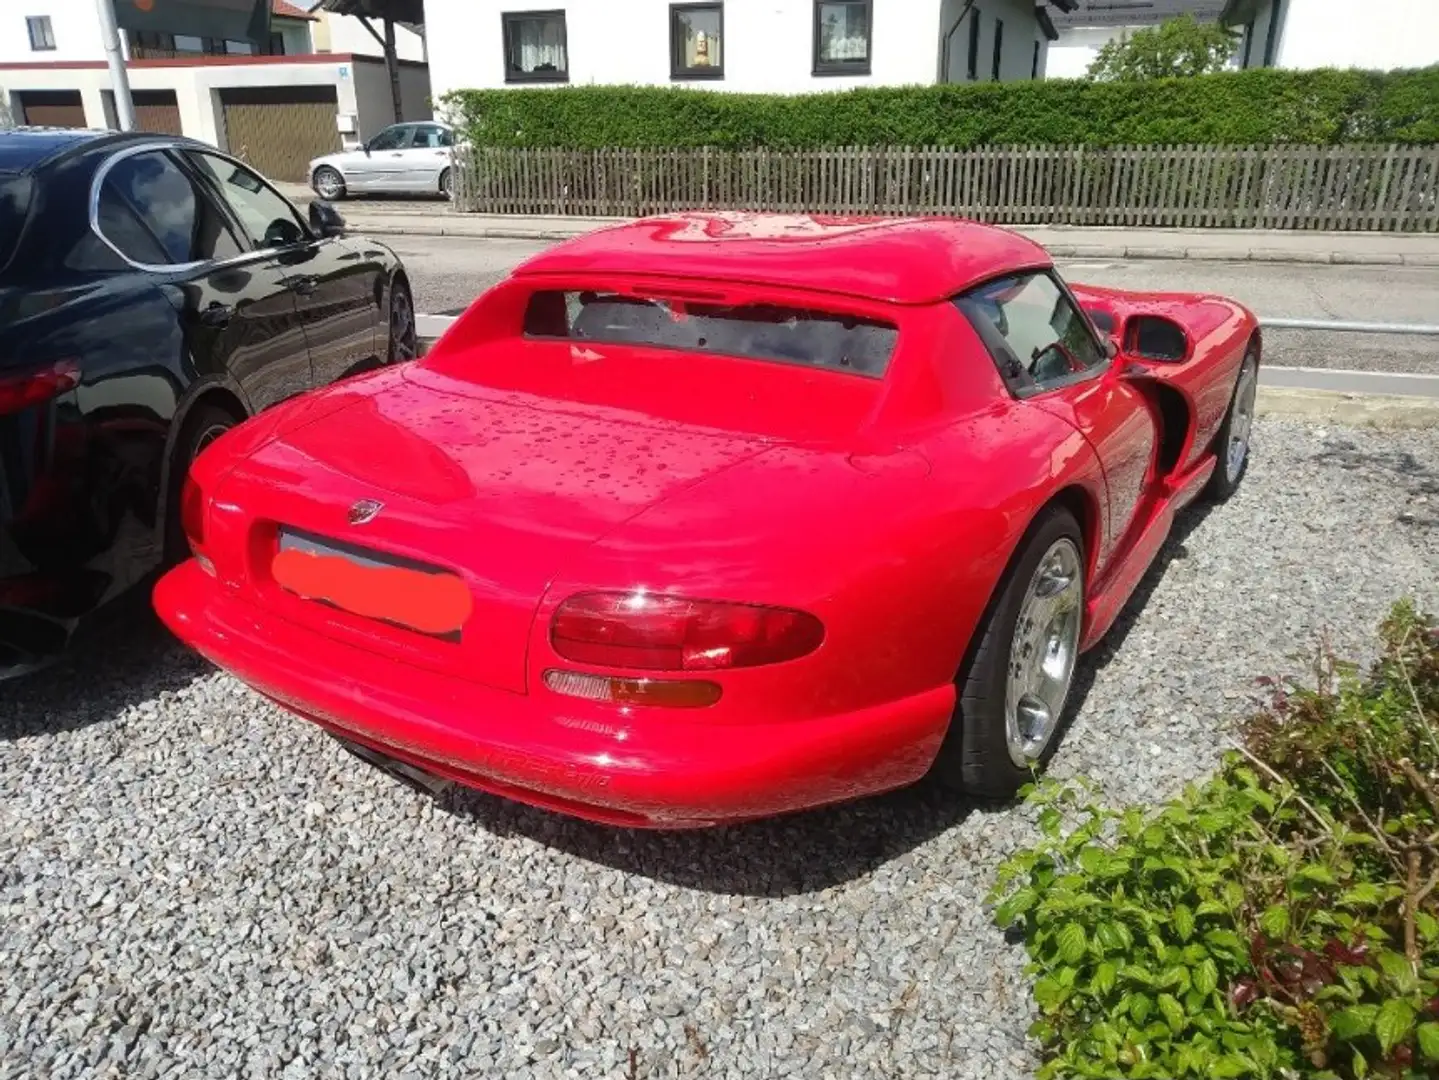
[(672, 633), (20, 391)]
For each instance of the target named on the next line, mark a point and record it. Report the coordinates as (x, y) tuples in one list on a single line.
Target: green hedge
[(1237, 108)]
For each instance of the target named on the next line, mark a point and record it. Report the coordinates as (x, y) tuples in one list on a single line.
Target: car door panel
[(332, 285)]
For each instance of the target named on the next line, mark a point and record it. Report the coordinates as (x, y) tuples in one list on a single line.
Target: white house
[(1095, 23), (1379, 35), (765, 46)]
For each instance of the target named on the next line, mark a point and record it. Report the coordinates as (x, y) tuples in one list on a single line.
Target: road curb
[(1058, 250), (1381, 411)]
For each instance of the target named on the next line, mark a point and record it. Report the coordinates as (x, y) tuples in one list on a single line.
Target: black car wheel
[(404, 337), (328, 183), (1014, 684), (205, 424), (447, 184), (1231, 444)]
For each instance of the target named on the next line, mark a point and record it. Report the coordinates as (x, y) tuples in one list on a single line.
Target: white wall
[(76, 29), (768, 44), (372, 96), (1376, 35), (1071, 55), (346, 34)]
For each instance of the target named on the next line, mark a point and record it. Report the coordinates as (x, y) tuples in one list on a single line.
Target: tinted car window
[(431, 138), (1037, 335), (149, 207), (823, 339), (15, 191), (392, 138), (269, 221)]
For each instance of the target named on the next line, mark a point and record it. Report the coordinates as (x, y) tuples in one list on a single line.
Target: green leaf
[(1104, 976), (1092, 860), (1172, 1011), (1048, 993), (1140, 1007), (1361, 1066), (1275, 921), (1394, 1023), (1349, 1024), (1316, 874), (1365, 894), (1231, 1065), (1071, 942), (1210, 907), (1227, 940), (1397, 968), (1429, 1041), (1021, 902), (1049, 822), (1427, 925), (1183, 922), (1206, 976)]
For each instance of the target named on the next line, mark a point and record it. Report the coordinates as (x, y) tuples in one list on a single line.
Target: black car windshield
[(15, 190), (759, 331)]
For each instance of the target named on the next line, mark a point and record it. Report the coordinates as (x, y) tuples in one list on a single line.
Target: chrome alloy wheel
[(1043, 652), (1241, 422)]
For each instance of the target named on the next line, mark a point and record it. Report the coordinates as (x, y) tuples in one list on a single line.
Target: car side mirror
[(1111, 348), (282, 233), (325, 220)]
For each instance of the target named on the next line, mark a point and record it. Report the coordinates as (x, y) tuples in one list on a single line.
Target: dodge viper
[(708, 517)]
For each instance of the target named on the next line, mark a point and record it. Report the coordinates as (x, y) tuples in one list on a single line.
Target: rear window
[(14, 205), (822, 339)]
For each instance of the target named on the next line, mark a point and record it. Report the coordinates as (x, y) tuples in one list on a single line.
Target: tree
[(1176, 47)]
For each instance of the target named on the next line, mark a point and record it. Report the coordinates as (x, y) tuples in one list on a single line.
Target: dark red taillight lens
[(20, 391), (192, 514), (673, 633)]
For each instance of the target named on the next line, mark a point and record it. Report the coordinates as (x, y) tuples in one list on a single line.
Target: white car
[(403, 159)]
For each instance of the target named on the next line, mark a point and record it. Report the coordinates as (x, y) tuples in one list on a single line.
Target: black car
[(153, 292)]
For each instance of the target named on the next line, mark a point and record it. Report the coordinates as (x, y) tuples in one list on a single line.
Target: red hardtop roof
[(898, 260)]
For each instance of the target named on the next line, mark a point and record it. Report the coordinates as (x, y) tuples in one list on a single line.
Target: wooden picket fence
[(1382, 188)]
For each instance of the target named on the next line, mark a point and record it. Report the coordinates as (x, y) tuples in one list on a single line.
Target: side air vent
[(1156, 338)]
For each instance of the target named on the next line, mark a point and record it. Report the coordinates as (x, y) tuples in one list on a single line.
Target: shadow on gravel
[(777, 857), (1092, 662), (1388, 467), (128, 658)]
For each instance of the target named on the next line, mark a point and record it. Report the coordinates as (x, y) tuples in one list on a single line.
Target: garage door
[(277, 130), (156, 111), (51, 108)]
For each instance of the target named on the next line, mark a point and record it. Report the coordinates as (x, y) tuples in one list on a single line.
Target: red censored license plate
[(372, 584)]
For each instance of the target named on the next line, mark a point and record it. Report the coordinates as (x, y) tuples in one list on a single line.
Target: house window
[(973, 67), (842, 32), (1034, 63), (696, 40), (998, 49), (535, 47), (187, 43), (42, 34)]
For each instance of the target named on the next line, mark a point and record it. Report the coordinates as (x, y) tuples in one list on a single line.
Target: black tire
[(976, 755), (1227, 472), (404, 335), (328, 184), (447, 184), (203, 426)]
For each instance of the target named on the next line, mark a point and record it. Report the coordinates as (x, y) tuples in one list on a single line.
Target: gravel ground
[(193, 884)]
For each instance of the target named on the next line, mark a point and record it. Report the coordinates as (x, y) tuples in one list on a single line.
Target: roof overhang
[(405, 11), (233, 20), (1046, 24), (1238, 12)]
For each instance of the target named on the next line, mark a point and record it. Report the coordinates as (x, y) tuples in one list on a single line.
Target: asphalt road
[(448, 273)]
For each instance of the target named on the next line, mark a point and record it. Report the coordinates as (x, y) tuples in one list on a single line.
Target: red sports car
[(713, 516)]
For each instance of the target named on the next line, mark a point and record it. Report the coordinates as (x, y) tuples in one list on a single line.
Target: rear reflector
[(668, 693), (672, 633), (18, 392)]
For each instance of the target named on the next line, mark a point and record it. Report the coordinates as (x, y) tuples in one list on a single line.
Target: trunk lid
[(502, 490)]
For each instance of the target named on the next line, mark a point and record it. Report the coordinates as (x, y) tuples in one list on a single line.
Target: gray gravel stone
[(194, 884)]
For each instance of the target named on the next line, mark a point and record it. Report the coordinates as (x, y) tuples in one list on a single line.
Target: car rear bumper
[(647, 769)]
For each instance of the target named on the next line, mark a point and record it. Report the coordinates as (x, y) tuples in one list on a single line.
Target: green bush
[(1280, 920), (1254, 107)]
